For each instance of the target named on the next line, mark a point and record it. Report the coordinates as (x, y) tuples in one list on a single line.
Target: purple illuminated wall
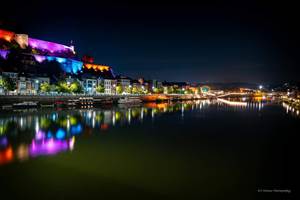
[(48, 46), (4, 53)]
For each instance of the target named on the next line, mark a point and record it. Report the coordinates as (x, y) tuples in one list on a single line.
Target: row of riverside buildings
[(30, 85), (30, 62)]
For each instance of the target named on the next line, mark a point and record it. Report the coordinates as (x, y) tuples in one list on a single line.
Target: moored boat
[(26, 104), (130, 100)]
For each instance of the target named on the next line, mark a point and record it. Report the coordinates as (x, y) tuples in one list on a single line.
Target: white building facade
[(110, 86)]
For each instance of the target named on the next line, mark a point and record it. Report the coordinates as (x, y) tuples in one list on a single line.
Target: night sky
[(221, 42)]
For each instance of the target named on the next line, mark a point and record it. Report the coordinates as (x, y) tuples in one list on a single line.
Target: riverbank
[(7, 101)]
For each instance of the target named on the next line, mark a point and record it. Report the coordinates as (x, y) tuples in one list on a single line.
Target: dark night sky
[(221, 42)]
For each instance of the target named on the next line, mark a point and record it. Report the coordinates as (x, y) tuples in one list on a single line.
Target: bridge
[(232, 103), (234, 94)]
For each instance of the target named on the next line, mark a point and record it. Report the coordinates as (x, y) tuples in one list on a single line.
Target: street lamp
[(260, 87), (36, 87)]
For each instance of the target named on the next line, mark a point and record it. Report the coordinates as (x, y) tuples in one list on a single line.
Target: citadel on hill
[(33, 66)]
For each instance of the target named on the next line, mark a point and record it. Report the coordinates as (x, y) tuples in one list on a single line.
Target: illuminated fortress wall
[(7, 35), (43, 50), (49, 51), (49, 46), (102, 70), (96, 67), (40, 46), (22, 40), (66, 64)]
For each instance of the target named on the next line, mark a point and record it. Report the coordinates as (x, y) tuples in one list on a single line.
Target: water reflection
[(290, 109), (28, 135), (49, 146)]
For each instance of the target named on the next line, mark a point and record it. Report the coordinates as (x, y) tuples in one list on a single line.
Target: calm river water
[(201, 149)]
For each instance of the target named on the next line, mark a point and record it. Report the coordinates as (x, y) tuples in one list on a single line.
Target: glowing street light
[(260, 87)]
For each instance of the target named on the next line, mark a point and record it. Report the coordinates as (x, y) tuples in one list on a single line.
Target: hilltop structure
[(33, 53)]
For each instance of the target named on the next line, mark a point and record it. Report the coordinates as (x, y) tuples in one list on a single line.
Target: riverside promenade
[(51, 99)]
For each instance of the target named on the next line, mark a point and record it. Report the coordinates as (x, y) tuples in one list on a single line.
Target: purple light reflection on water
[(40, 135), (3, 141), (50, 147)]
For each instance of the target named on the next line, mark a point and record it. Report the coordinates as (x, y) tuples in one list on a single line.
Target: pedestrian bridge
[(232, 103), (236, 94)]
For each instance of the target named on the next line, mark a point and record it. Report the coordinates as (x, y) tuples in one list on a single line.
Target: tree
[(134, 90), (7, 83), (189, 91), (53, 88), (170, 90), (177, 90), (119, 89), (128, 89), (144, 90), (63, 87), (45, 87), (2, 82), (100, 88), (76, 87), (158, 90)]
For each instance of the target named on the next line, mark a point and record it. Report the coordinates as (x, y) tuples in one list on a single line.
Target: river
[(201, 149)]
